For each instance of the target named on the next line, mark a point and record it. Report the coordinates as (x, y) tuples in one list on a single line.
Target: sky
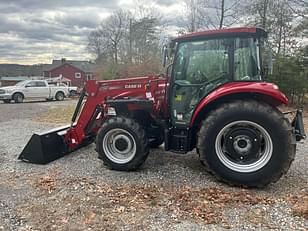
[(37, 31)]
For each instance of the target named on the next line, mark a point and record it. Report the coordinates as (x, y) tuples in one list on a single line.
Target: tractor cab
[(204, 61)]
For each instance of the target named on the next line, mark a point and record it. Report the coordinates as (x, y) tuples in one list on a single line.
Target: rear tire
[(122, 144), (18, 98), (59, 96), (246, 143), (73, 93)]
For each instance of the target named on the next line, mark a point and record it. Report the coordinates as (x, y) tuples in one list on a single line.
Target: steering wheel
[(209, 84), (199, 77), (221, 76)]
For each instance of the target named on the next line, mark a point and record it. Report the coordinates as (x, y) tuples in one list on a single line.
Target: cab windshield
[(234, 59)]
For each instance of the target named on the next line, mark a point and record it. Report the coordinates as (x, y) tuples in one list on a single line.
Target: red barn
[(76, 71)]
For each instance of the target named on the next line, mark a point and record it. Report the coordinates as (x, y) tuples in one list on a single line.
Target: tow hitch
[(298, 125)]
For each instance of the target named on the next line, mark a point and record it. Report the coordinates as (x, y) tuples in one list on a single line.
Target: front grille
[(2, 91)]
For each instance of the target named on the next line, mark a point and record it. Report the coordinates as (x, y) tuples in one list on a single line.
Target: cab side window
[(40, 84), (31, 84), (246, 60)]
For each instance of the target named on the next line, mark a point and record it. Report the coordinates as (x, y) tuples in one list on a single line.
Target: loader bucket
[(45, 147)]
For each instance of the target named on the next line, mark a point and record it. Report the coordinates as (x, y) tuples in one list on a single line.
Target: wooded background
[(128, 43)]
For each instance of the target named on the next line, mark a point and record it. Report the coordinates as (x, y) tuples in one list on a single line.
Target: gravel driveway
[(169, 192)]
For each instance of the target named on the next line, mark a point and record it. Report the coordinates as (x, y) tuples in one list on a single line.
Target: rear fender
[(266, 92)]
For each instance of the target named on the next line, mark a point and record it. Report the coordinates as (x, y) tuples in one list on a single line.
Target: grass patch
[(58, 115)]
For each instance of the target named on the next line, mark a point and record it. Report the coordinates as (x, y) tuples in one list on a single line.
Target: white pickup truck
[(30, 89)]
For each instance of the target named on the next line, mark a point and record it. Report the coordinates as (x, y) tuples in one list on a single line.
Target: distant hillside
[(21, 70)]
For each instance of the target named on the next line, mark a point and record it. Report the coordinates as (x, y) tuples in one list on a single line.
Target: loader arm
[(91, 111)]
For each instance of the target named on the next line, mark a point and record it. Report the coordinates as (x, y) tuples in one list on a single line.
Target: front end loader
[(213, 98), (98, 101)]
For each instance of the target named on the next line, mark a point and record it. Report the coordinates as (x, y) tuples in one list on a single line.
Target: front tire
[(18, 98), (246, 143), (122, 144)]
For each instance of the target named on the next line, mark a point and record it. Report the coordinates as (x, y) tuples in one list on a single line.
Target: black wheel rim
[(244, 146)]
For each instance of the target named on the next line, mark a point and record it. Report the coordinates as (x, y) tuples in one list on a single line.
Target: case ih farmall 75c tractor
[(213, 98)]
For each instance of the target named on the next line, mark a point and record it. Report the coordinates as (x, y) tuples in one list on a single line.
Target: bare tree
[(144, 33), (281, 27), (302, 28), (104, 42), (261, 8), (222, 13), (95, 44), (298, 7), (276, 17), (127, 42), (191, 16), (219, 13), (113, 29)]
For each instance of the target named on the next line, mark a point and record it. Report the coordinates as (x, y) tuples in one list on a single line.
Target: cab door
[(29, 90), (200, 67), (36, 89), (42, 89)]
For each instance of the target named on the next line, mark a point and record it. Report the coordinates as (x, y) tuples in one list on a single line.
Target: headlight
[(8, 91)]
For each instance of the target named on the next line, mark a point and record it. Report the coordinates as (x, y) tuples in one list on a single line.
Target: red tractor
[(213, 98)]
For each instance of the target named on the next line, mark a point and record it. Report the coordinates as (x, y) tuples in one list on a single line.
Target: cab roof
[(220, 33)]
